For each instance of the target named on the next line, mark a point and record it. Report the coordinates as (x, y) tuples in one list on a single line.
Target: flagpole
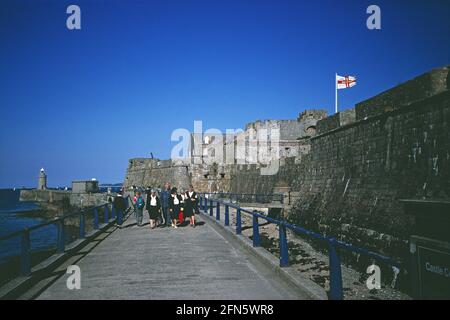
[(335, 94)]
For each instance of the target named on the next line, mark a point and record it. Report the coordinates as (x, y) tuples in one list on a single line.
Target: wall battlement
[(419, 88), (404, 95)]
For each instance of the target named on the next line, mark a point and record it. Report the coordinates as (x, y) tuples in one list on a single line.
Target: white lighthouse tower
[(42, 185)]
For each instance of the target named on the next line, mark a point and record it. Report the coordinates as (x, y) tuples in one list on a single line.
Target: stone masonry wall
[(357, 174), (154, 173), (49, 196), (77, 199)]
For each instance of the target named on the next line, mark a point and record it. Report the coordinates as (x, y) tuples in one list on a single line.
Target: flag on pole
[(342, 83), (345, 82)]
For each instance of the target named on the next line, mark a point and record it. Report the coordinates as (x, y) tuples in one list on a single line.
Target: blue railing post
[(25, 264), (335, 272), (119, 217), (227, 215), (218, 211), (238, 222), (211, 208), (82, 225), (256, 239), (106, 217), (127, 202), (284, 253), (61, 236), (95, 218)]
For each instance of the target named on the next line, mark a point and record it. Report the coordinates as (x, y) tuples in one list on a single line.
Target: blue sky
[(81, 103)]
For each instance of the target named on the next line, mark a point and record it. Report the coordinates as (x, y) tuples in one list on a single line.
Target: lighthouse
[(42, 185)]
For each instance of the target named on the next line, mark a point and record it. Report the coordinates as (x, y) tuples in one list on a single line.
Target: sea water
[(12, 219)]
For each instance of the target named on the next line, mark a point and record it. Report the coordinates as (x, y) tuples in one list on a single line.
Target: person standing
[(139, 205), (191, 208), (175, 207), (153, 207), (165, 195)]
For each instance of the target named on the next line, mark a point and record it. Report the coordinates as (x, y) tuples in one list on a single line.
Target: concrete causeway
[(164, 263)]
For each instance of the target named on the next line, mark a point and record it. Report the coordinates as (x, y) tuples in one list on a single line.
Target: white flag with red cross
[(342, 83), (345, 82)]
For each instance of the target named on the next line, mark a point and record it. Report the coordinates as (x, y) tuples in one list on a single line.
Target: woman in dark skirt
[(175, 206), (190, 205), (153, 207)]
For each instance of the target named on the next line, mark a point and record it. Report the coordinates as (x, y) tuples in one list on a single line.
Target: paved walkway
[(165, 263)]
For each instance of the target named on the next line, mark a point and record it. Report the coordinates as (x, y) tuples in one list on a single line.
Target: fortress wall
[(357, 170), (357, 174), (155, 172), (248, 178)]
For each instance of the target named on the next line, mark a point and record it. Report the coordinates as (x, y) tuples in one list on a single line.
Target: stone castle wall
[(154, 173), (359, 167)]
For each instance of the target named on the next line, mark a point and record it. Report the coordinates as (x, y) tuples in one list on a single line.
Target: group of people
[(167, 207)]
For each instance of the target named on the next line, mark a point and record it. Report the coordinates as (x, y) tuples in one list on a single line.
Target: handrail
[(25, 247), (336, 292), (258, 197), (243, 194), (50, 222)]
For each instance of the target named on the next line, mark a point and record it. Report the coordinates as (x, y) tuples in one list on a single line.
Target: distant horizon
[(81, 103), (61, 186)]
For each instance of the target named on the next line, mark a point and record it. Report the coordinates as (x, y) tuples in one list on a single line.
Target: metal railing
[(24, 234), (246, 197), (208, 205)]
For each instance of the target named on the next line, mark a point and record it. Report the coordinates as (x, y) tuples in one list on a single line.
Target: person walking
[(191, 202), (139, 205), (153, 207), (165, 195), (119, 206), (181, 215), (175, 206)]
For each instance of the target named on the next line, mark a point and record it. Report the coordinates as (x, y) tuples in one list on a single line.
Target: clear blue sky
[(81, 103)]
